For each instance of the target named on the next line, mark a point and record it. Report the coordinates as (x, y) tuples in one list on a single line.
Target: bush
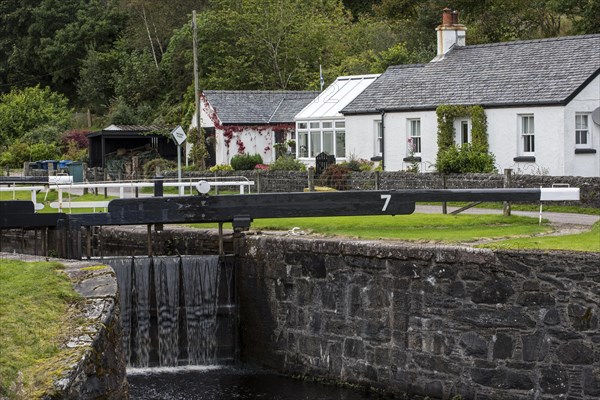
[(466, 159), (245, 162), (359, 165), (149, 168), (76, 136), (74, 153), (220, 167), (287, 163), (336, 176)]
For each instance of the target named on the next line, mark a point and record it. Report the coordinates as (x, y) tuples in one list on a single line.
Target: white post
[(179, 169)]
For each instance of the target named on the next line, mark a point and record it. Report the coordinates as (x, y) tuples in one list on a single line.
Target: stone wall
[(426, 320), (293, 181), (95, 367)]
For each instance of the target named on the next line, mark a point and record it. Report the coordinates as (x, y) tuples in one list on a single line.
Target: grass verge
[(36, 307), (587, 241), (414, 227)]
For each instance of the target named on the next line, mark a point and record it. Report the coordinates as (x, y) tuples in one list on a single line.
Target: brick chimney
[(450, 33)]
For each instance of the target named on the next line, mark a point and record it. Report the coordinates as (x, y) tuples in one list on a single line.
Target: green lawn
[(587, 241), (515, 232), (34, 318), (414, 227)]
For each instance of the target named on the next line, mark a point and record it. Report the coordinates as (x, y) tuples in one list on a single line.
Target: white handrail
[(33, 189), (60, 188)]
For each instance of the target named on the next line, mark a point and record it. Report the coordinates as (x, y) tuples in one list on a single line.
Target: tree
[(269, 44), (95, 86), (43, 42), (24, 111)]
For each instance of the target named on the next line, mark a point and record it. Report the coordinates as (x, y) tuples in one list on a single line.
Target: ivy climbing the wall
[(473, 157)]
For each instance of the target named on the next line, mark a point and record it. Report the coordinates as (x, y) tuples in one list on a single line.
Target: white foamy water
[(173, 370)]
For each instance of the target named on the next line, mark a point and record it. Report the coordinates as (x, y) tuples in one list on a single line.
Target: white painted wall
[(361, 136), (255, 142), (504, 139), (585, 102)]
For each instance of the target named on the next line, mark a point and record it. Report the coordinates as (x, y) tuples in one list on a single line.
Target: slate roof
[(258, 107), (136, 128), (129, 130), (533, 72)]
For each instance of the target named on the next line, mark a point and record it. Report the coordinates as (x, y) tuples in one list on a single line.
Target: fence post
[(105, 173), (158, 192), (311, 179), (257, 180), (506, 211), (377, 180), (444, 205)]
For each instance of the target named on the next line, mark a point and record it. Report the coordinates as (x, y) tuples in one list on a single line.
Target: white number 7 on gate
[(387, 198)]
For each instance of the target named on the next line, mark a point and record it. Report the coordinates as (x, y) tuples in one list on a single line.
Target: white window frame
[(378, 136), (527, 134), (316, 128), (301, 131), (587, 130), (414, 136), (459, 132)]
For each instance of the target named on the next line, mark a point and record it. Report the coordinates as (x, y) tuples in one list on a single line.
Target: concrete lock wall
[(426, 320)]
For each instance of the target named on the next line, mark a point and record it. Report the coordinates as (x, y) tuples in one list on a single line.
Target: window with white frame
[(527, 133), (582, 131), (340, 139), (302, 145), (378, 138), (463, 135), (414, 137), (315, 137)]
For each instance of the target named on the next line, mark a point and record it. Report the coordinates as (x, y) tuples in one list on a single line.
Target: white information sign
[(179, 135)]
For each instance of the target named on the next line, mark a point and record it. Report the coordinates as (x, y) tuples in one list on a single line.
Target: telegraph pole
[(201, 141)]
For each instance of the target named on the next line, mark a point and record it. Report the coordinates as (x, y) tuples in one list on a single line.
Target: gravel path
[(555, 218)]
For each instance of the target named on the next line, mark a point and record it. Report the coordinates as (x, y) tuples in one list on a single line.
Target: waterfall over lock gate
[(176, 310)]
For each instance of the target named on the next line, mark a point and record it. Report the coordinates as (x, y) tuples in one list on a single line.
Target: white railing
[(33, 189), (132, 188)]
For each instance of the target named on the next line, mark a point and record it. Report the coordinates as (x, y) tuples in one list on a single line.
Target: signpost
[(179, 136)]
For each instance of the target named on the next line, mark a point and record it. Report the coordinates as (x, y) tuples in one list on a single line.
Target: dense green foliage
[(473, 157), (245, 162), (35, 112), (287, 163), (465, 159)]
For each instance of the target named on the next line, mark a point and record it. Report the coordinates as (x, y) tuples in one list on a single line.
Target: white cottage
[(320, 126), (249, 122), (541, 99)]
